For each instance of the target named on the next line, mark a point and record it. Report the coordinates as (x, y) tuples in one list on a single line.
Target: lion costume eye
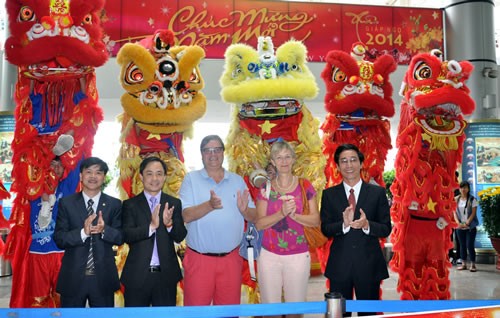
[(133, 75), (338, 75), (422, 71), (236, 72), (26, 14), (87, 19)]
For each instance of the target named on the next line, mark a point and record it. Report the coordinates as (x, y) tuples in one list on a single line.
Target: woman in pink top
[(284, 262)]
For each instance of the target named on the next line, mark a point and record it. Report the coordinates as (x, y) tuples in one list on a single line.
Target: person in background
[(152, 222), (88, 225), (466, 217), (44, 258), (284, 262), (356, 215), (454, 252), (215, 204)]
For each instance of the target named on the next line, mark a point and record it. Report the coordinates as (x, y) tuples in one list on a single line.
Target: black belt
[(211, 254), (154, 268), (422, 218)]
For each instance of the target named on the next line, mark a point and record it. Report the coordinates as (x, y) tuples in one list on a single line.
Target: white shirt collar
[(356, 187)]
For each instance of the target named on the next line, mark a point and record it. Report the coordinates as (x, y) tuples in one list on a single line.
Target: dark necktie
[(352, 198), (90, 258)]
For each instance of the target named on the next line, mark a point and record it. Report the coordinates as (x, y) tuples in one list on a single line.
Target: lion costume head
[(161, 102), (269, 90)]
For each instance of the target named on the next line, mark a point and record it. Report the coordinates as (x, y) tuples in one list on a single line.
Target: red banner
[(216, 24)]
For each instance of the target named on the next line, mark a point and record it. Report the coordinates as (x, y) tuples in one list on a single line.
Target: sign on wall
[(216, 24), (7, 124), (481, 163)]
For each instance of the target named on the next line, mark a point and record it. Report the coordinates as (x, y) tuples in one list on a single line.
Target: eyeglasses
[(351, 160), (213, 150)]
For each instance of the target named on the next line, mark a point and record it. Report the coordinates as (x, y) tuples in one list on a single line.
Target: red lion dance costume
[(56, 44), (430, 144), (358, 96)]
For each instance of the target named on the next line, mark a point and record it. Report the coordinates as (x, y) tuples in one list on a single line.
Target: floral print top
[(287, 236)]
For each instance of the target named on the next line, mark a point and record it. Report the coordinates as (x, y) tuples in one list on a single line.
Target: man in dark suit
[(152, 222), (356, 215), (88, 270)]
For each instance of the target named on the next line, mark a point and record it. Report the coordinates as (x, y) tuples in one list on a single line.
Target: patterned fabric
[(287, 236), (90, 259)]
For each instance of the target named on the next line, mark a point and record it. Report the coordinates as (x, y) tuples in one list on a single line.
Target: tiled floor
[(484, 284)]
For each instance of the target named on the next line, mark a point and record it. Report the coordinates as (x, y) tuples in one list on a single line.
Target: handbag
[(250, 246), (313, 234)]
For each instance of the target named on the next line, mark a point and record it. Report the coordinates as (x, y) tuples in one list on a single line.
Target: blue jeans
[(467, 239)]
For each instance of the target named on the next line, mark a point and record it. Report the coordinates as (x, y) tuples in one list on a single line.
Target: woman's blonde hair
[(278, 146)]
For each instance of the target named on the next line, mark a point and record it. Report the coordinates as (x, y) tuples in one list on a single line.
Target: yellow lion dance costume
[(268, 91), (161, 103), (162, 100)]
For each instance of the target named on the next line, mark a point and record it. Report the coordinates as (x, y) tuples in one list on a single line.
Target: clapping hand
[(167, 215), (348, 215), (289, 207), (362, 222), (87, 225), (242, 199), (97, 229)]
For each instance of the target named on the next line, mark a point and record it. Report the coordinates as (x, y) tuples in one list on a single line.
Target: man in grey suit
[(356, 215), (88, 225), (152, 222)]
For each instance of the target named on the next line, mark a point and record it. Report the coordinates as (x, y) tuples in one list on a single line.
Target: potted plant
[(489, 201)]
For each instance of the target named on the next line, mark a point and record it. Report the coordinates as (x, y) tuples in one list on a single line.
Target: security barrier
[(320, 307)]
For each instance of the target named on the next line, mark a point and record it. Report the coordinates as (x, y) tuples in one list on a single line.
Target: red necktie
[(352, 198)]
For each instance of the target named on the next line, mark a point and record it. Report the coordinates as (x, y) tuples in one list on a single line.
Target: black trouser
[(467, 240), (154, 292), (89, 291)]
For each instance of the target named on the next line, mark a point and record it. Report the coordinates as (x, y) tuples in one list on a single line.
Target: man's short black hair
[(345, 147), (92, 161), (148, 160)]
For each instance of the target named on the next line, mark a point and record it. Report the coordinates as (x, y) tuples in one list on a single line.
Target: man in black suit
[(152, 222), (356, 215), (88, 270)]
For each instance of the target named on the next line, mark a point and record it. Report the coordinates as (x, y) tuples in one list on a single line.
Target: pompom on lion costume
[(358, 97), (268, 90), (56, 46), (430, 145)]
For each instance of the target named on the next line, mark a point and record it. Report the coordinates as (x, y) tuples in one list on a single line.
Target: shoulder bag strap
[(305, 203)]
